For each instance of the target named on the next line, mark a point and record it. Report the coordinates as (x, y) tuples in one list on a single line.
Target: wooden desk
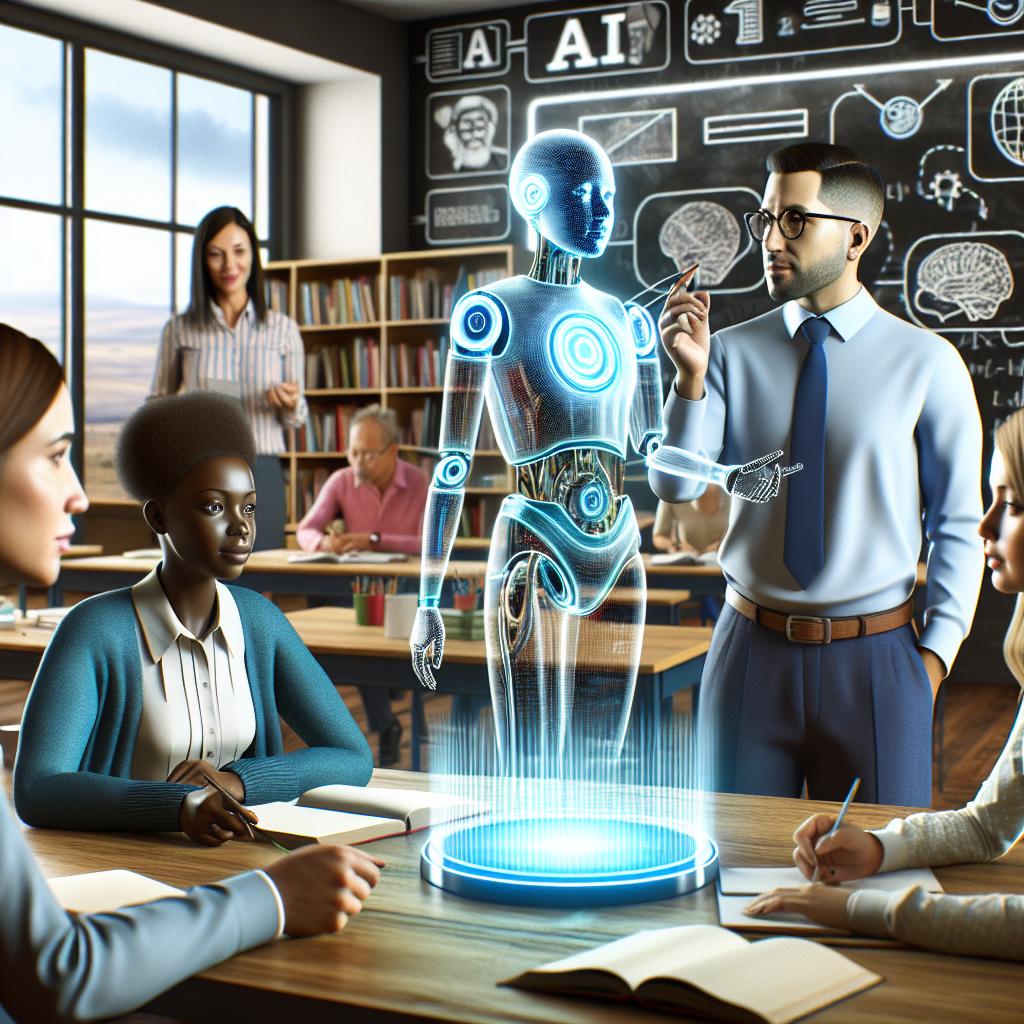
[(416, 953), (74, 551), (21, 649), (671, 659)]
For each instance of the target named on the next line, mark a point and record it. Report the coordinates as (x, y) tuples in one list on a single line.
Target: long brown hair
[(212, 224), (30, 378), (1010, 443)]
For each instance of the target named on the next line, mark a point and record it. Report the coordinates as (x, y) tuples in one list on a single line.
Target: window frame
[(77, 37)]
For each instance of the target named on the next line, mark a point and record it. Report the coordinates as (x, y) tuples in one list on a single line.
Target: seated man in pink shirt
[(381, 498)]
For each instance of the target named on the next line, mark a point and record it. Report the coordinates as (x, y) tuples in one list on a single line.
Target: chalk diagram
[(972, 278), (995, 117), (672, 230), (999, 12), (468, 132), (939, 181), (961, 282), (633, 136), (900, 117)]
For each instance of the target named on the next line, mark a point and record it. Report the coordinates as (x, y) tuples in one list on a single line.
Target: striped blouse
[(242, 362)]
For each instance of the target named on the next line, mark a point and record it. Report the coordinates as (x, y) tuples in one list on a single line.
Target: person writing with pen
[(56, 966), (988, 827)]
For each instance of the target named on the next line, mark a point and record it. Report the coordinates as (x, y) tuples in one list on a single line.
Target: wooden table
[(74, 551), (416, 953), (265, 571), (671, 659), (20, 650)]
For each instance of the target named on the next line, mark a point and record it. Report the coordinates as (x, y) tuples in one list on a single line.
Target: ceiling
[(427, 10)]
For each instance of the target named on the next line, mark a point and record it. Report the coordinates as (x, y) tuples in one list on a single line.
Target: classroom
[(511, 510)]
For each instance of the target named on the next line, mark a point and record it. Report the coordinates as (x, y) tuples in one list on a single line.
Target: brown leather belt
[(817, 629)]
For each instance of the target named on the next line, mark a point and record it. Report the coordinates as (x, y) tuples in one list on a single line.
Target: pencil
[(239, 810)]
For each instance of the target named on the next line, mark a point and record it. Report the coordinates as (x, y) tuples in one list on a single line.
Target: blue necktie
[(804, 552)]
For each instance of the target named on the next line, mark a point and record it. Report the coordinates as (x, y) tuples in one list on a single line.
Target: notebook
[(99, 891), (707, 971), (348, 815)]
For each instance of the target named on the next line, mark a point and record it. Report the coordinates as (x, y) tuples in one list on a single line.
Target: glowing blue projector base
[(574, 862)]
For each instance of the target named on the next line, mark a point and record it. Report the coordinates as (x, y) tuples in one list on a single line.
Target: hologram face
[(562, 183)]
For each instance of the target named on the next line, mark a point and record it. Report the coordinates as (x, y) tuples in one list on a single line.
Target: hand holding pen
[(834, 852)]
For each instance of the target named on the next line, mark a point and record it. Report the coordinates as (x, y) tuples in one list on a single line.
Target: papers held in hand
[(347, 815), (708, 971), (359, 557)]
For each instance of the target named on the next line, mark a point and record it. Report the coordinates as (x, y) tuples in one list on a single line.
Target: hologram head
[(562, 184)]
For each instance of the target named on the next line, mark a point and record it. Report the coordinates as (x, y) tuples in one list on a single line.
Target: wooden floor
[(978, 719)]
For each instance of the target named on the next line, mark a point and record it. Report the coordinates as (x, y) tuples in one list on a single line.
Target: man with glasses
[(381, 499), (815, 672)]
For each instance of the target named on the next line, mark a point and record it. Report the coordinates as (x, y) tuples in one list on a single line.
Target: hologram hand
[(427, 631), (751, 481)]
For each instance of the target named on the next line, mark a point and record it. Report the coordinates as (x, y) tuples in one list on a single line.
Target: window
[(96, 234)]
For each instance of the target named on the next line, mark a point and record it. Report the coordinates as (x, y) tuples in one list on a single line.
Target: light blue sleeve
[(54, 966), (695, 427), (949, 457)]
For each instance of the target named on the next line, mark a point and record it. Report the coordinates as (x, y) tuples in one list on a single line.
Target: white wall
[(338, 194)]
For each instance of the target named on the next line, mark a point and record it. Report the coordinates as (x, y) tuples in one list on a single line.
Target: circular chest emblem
[(583, 352)]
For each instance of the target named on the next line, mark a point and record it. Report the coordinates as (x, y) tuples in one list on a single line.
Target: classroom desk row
[(671, 659), (416, 953)]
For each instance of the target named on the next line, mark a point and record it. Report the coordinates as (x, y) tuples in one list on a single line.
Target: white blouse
[(196, 701)]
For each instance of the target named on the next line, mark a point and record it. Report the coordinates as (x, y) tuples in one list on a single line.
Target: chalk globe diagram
[(1007, 121), (901, 117)]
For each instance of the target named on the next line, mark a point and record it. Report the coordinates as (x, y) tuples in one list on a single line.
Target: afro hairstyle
[(166, 438)]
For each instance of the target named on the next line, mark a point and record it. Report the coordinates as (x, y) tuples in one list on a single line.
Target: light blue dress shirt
[(903, 441)]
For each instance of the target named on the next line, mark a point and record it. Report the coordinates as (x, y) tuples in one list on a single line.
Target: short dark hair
[(166, 438), (212, 224), (30, 378), (849, 184)]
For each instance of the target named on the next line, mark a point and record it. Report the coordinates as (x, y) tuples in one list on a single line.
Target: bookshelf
[(376, 330)]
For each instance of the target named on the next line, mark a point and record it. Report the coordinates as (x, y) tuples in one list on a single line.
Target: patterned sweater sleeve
[(989, 925)]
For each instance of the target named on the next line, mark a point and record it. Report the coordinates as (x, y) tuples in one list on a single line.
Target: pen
[(854, 786), (239, 810)]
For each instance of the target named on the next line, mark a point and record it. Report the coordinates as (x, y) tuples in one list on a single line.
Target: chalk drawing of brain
[(972, 277), (705, 233)]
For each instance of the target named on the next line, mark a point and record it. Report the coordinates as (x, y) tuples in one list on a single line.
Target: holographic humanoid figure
[(567, 373)]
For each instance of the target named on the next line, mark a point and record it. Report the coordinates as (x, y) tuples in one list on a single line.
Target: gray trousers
[(774, 713)]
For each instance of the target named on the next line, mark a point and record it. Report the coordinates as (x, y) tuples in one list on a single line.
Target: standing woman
[(57, 967), (228, 341)]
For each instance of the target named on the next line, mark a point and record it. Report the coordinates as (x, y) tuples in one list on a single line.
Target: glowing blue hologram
[(593, 501), (644, 332), (532, 194), (752, 482), (574, 862), (452, 470), (583, 352), (478, 321)]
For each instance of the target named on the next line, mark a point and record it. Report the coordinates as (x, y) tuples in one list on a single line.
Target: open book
[(684, 558), (99, 891), (707, 971), (366, 557), (354, 814)]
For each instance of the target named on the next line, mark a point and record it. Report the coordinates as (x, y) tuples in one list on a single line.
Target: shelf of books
[(376, 330)]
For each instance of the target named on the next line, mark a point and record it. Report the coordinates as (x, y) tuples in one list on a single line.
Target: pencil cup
[(399, 615), (375, 609), (361, 603), (464, 602)]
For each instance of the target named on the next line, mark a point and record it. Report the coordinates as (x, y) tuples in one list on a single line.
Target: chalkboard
[(689, 96)]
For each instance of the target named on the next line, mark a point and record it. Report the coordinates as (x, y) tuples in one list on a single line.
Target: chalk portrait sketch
[(468, 133)]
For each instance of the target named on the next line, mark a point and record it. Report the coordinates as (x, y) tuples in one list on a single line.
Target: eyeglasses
[(360, 456), (791, 222)]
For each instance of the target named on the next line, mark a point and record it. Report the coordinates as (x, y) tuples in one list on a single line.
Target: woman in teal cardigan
[(54, 966), (128, 671)]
